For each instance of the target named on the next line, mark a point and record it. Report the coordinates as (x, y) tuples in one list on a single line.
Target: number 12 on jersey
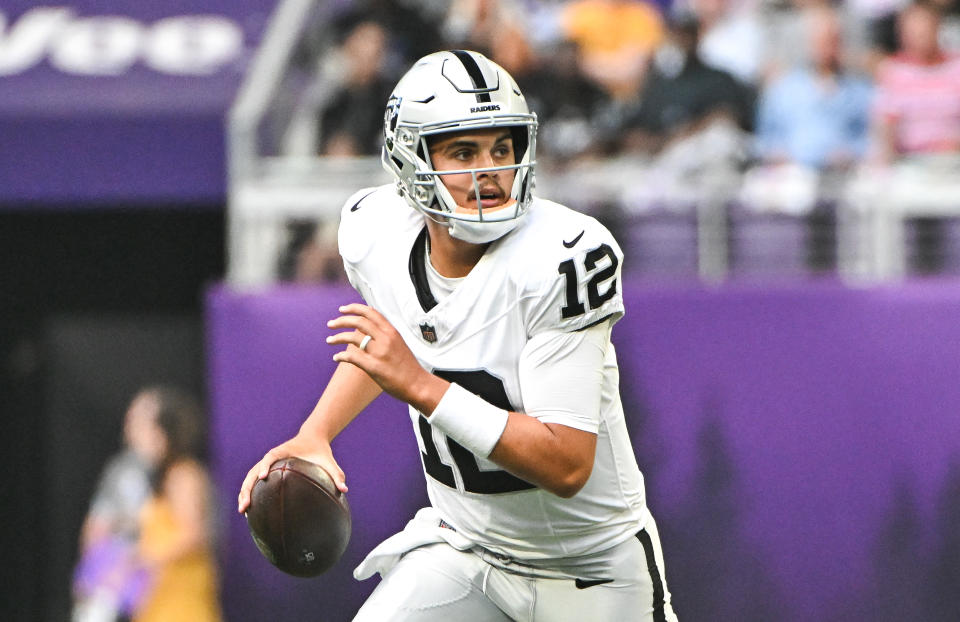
[(595, 298), (473, 478)]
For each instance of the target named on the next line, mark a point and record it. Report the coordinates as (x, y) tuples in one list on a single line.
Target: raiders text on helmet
[(451, 92)]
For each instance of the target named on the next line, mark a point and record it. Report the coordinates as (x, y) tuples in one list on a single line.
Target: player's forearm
[(554, 457), (349, 391)]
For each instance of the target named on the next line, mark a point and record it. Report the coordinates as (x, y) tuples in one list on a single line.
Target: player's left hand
[(385, 357)]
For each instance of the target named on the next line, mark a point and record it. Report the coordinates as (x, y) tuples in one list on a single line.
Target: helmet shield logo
[(390, 119)]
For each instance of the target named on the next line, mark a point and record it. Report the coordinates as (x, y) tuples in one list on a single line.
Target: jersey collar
[(418, 272)]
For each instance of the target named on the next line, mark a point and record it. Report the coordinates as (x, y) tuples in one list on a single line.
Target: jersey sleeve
[(575, 288), (561, 376), (354, 237)]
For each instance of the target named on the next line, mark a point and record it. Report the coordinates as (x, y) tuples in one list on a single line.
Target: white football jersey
[(558, 270)]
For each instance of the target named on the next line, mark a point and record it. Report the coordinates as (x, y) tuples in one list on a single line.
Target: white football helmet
[(450, 92)]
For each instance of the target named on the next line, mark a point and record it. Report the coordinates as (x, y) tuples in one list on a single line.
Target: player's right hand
[(320, 454)]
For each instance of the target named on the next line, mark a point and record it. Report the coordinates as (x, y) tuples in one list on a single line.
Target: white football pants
[(438, 583)]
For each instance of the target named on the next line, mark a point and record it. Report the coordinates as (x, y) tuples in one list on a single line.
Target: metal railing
[(856, 225)]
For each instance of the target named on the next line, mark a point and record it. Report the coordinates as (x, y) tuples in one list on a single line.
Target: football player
[(489, 312)]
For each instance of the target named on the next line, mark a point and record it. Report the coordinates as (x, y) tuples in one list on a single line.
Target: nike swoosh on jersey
[(583, 584), (574, 241), (356, 205)]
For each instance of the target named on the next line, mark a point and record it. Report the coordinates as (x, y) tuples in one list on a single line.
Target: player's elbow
[(571, 481), (571, 459)]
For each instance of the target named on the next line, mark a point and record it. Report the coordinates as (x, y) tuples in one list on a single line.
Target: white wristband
[(469, 419)]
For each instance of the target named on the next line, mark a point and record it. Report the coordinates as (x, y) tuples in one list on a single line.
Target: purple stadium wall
[(801, 446)]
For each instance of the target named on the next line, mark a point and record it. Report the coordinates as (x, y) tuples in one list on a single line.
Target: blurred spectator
[(615, 39), (816, 115), (414, 26), (311, 254), (950, 24), (566, 102), (731, 36), (479, 24), (544, 20), (916, 117), (917, 104), (787, 36), (876, 23), (351, 118), (106, 583), (877, 19), (683, 95), (178, 522)]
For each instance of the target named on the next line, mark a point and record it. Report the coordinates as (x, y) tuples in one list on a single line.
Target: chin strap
[(481, 232)]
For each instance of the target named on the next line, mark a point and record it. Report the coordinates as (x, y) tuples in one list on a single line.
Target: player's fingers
[(343, 356), (355, 322), (355, 308), (252, 476), (259, 471), (355, 356), (357, 340), (339, 478), (354, 336), (366, 312), (243, 499), (277, 453), (243, 502)]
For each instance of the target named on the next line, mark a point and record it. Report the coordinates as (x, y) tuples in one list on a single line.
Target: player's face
[(476, 149)]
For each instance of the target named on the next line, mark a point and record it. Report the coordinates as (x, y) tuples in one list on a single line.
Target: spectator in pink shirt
[(917, 105)]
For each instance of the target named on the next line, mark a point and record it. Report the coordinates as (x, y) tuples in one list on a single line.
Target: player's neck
[(449, 256)]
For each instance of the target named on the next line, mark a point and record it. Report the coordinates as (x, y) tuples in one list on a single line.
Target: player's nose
[(487, 161)]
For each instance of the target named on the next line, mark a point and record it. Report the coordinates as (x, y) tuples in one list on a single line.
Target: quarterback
[(488, 311)]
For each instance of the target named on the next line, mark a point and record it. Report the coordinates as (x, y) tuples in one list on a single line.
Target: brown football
[(298, 518)]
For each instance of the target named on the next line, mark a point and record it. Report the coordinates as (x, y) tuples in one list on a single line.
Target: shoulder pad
[(574, 281), (361, 220)]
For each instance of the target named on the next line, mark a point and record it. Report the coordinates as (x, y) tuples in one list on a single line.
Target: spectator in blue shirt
[(816, 115)]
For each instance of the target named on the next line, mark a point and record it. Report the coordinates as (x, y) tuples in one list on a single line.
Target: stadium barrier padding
[(800, 443)]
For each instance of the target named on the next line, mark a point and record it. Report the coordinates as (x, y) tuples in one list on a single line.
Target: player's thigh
[(434, 583), (638, 593), (619, 601)]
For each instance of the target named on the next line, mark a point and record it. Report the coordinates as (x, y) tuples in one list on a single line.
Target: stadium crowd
[(791, 98)]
